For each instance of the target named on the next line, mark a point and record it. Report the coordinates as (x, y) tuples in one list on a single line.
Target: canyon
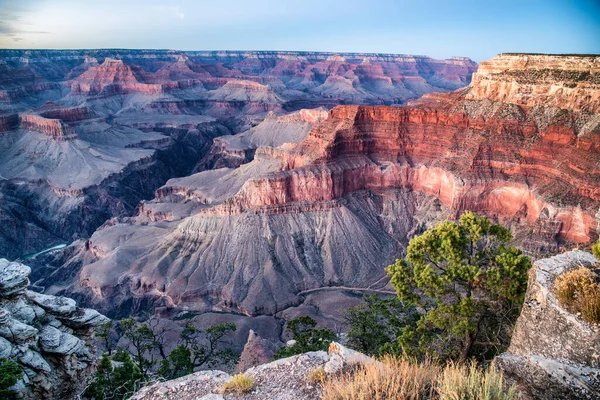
[(300, 213), (85, 135)]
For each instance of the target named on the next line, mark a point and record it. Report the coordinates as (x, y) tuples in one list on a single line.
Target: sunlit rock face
[(86, 134), (326, 213)]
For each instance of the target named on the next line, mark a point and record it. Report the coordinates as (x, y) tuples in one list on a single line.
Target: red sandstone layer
[(495, 165)]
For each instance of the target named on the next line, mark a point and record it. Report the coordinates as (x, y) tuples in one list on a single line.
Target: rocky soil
[(48, 336)]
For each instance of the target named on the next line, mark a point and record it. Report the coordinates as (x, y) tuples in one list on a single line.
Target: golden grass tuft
[(579, 292), (467, 382), (400, 378), (240, 383), (317, 376), (393, 379)]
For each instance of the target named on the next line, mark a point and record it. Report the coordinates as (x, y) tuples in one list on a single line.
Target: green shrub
[(470, 283), (10, 373), (307, 336)]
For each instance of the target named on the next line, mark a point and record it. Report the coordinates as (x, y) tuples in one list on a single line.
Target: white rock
[(54, 304), (14, 277)]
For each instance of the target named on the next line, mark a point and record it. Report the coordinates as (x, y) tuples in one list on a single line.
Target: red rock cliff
[(499, 158)]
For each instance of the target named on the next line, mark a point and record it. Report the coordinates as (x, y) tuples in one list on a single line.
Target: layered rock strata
[(330, 211), (86, 135), (553, 354), (49, 337)]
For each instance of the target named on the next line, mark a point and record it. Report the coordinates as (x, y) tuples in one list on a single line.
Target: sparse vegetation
[(123, 372), (307, 337), (402, 378), (317, 376), (468, 382), (10, 373), (578, 291), (596, 249), (240, 383)]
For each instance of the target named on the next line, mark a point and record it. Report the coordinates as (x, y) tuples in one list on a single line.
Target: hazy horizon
[(435, 28)]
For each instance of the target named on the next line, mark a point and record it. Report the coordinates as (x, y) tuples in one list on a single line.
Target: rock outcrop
[(553, 354), (528, 80), (284, 379), (257, 351), (48, 336)]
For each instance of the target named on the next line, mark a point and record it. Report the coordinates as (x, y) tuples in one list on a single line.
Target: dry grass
[(317, 376), (394, 380), (579, 292), (402, 379), (240, 383), (467, 382)]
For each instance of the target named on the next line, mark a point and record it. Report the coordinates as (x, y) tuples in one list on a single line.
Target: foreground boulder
[(284, 379), (48, 336), (553, 354)]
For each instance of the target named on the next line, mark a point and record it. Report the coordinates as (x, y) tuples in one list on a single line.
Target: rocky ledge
[(284, 379), (553, 354), (49, 337)]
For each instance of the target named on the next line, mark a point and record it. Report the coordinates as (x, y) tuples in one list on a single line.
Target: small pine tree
[(10, 373), (470, 285), (177, 364), (307, 336), (118, 382)]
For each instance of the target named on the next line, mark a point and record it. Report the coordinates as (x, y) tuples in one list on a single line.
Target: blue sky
[(477, 29)]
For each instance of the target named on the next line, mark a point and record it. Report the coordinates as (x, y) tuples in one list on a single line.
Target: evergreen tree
[(307, 337), (377, 322), (468, 282), (10, 373)]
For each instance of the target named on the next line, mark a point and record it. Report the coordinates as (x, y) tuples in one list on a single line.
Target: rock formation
[(85, 135), (553, 354), (257, 351), (48, 336), (330, 211)]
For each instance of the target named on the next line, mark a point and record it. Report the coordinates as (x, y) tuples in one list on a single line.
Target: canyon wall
[(85, 135), (330, 211)]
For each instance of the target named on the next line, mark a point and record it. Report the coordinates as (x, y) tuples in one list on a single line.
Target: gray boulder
[(60, 306), (553, 354), (14, 278), (48, 336)]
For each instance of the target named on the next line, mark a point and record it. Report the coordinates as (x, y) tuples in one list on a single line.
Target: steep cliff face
[(553, 354), (330, 211), (49, 337), (571, 82)]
